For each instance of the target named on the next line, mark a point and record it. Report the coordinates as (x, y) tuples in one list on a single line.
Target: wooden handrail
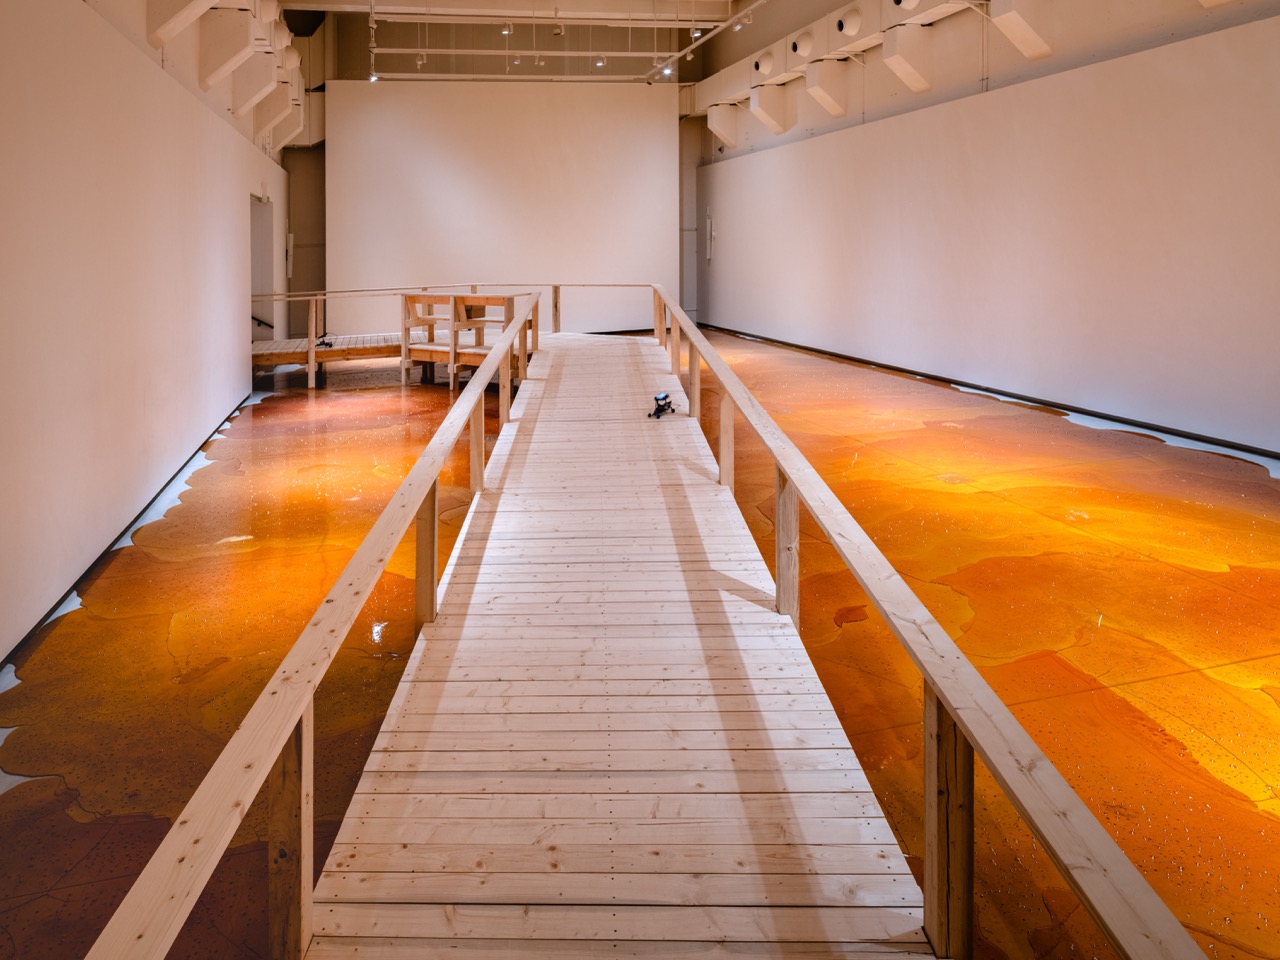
[(398, 291), (1128, 911), (152, 913), (963, 714)]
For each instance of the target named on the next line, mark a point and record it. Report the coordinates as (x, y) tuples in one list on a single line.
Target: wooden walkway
[(269, 353), (609, 744)]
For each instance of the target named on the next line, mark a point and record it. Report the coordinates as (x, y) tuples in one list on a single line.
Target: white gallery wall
[(447, 182), (124, 290), (1104, 238)]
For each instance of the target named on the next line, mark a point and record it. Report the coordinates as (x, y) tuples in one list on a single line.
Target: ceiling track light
[(701, 37), (506, 29)]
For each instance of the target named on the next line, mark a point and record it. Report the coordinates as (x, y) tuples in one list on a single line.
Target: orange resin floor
[(1121, 594), (123, 704)]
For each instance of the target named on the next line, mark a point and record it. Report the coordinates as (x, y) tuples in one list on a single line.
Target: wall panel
[(450, 182), (1102, 238), (124, 291)]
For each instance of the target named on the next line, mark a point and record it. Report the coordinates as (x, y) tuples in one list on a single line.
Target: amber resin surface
[(1121, 594)]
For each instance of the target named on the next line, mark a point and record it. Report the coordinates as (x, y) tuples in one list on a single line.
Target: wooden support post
[(406, 314), (504, 391), (948, 832), (674, 343), (312, 320), (291, 843), (426, 561), (695, 382), (555, 308), (477, 445), (323, 326), (534, 323), (458, 313), (786, 529), (726, 440), (522, 354), (659, 318)]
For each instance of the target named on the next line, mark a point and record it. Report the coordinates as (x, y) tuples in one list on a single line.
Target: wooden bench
[(456, 315)]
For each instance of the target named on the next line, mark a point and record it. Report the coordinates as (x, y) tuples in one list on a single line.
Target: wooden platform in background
[(269, 353), (609, 744)]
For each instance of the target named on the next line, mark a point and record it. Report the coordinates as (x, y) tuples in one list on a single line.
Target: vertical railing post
[(674, 343), (727, 410), (504, 390), (312, 321), (291, 843), (659, 317), (786, 528), (477, 445), (406, 312), (533, 323), (555, 308), (948, 832), (522, 342), (426, 560), (695, 382)]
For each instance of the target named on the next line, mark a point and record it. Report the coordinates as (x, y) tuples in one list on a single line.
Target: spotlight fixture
[(689, 55), (516, 60), (695, 32), (600, 61), (373, 78), (666, 71), (506, 29), (558, 30)]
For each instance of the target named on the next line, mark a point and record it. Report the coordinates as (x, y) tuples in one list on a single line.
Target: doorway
[(262, 269)]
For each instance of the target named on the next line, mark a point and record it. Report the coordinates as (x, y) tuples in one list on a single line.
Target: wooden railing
[(962, 714), (317, 304), (273, 743)]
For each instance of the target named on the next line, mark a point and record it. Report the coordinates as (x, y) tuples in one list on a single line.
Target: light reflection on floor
[(124, 703), (1120, 594)]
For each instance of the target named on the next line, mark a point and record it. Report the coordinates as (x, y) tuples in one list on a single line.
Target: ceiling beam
[(563, 11)]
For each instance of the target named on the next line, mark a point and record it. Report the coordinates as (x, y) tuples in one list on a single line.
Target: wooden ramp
[(269, 353), (609, 744)]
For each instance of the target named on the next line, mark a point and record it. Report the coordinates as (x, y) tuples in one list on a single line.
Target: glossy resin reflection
[(121, 705), (1122, 596)]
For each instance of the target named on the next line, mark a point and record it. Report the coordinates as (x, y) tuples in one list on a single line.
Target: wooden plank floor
[(609, 744)]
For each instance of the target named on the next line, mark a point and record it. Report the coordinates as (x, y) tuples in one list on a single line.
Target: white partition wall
[(448, 182), (124, 290), (1105, 238)]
